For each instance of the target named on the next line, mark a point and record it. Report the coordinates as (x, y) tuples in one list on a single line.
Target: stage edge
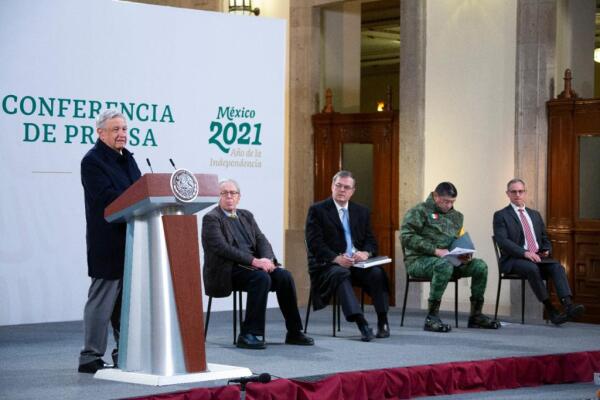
[(214, 372)]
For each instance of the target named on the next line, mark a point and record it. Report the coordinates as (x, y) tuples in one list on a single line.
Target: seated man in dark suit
[(526, 251), (238, 256), (338, 234)]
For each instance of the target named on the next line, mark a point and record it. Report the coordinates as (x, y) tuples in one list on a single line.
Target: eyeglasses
[(231, 193), (339, 186), (517, 191)]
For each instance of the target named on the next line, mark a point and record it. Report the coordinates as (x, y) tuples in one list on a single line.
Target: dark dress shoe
[(93, 366), (299, 339), (383, 331), (250, 341), (574, 310), (556, 318), (366, 333)]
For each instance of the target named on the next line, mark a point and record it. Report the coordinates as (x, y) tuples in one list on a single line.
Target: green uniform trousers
[(441, 271)]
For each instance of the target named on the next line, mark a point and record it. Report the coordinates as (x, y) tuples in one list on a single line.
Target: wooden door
[(366, 144), (574, 195)]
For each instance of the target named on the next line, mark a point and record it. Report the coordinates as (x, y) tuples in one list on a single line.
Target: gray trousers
[(534, 273), (103, 306)]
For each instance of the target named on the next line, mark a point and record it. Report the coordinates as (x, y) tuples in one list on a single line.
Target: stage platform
[(40, 361)]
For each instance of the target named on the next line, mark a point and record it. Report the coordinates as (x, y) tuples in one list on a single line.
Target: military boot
[(477, 319), (433, 323)]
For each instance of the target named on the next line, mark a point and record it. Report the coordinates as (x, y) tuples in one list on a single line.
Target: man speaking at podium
[(238, 256), (106, 171)]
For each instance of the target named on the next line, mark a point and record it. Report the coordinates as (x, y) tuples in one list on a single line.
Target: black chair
[(336, 310), (410, 279), (510, 276), (237, 295), (336, 307)]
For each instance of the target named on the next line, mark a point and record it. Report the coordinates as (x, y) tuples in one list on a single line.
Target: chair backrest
[(404, 259), (496, 250)]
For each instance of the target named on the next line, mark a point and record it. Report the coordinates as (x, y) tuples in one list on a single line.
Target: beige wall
[(469, 115), (575, 30)]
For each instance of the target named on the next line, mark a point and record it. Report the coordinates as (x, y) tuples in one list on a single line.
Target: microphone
[(172, 163), (262, 378), (150, 165)]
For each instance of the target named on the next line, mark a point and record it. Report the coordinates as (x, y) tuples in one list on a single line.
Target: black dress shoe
[(366, 333), (383, 331), (298, 338), (574, 310), (556, 318), (250, 341), (93, 366)]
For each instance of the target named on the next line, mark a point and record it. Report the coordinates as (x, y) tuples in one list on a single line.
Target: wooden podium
[(162, 328)]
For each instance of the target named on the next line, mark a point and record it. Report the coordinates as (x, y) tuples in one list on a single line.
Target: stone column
[(303, 90), (413, 23), (536, 44)]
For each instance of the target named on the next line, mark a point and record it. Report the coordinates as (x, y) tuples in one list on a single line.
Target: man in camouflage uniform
[(427, 232)]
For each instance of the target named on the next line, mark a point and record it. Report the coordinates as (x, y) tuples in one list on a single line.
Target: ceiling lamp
[(597, 55), (243, 7)]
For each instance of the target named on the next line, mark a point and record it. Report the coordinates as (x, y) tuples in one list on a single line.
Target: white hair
[(106, 115), (224, 181)]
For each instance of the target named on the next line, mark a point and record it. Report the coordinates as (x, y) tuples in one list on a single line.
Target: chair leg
[(456, 303), (234, 317), (547, 320), (240, 309), (497, 298), (404, 304), (339, 312), (207, 317), (307, 311), (334, 310), (522, 301)]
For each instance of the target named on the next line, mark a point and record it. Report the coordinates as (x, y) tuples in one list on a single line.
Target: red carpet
[(219, 393), (425, 380)]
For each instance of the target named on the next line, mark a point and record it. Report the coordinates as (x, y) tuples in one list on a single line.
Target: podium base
[(214, 372)]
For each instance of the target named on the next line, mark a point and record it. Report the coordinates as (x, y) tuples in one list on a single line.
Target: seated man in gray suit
[(523, 241), (238, 256)]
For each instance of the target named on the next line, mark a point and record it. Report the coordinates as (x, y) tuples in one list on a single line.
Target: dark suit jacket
[(221, 250), (105, 174), (325, 240), (510, 237)]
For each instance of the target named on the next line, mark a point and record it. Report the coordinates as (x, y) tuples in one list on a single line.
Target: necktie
[(347, 234), (531, 245)]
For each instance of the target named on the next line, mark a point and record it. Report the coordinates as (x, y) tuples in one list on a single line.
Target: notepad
[(371, 262)]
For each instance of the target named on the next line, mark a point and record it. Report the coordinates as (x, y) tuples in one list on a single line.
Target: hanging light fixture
[(597, 55), (243, 7)]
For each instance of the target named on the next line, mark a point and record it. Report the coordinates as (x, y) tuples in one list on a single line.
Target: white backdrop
[(205, 89)]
